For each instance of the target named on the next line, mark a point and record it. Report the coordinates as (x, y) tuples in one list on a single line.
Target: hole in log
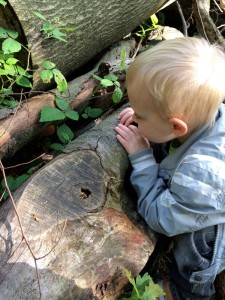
[(84, 193)]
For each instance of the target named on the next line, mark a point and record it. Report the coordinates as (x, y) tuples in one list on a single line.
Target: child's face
[(150, 123)]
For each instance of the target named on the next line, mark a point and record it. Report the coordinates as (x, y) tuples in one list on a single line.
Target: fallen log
[(81, 224), (19, 128)]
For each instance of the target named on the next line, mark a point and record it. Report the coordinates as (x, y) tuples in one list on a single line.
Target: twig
[(20, 224), (25, 163), (220, 9), (137, 49), (182, 18)]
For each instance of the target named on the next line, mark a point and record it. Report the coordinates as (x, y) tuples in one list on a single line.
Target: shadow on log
[(79, 220)]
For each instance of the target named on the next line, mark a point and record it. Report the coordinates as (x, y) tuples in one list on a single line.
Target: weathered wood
[(85, 186), (98, 23)]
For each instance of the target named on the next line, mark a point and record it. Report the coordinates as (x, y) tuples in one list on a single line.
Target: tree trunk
[(98, 23), (84, 191)]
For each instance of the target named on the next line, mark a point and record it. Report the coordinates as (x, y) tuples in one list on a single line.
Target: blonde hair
[(184, 77)]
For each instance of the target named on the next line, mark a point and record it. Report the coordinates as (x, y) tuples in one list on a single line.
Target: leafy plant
[(143, 287), (51, 29), (13, 183), (62, 111), (49, 71), (91, 112), (65, 135), (111, 80), (148, 25), (123, 58)]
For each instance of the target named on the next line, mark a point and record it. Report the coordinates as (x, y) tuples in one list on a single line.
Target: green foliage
[(108, 81), (51, 29), (91, 112), (65, 135), (13, 183), (49, 71), (2, 2), (143, 287), (49, 113), (148, 25)]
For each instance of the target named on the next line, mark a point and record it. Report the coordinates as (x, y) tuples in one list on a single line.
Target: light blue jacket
[(186, 191)]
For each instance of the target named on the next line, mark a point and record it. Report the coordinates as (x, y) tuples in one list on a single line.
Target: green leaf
[(68, 28), (23, 81), (154, 19), (132, 281), (12, 33), (3, 72), (20, 180), (62, 103), (97, 77), (46, 76), (10, 46), (106, 82), (2, 2), (152, 291), (23, 72), (49, 113), (39, 15), (57, 34), (10, 69), (85, 116), (10, 103), (117, 95), (64, 133), (3, 33), (60, 80), (57, 146), (12, 61), (10, 182), (111, 77), (47, 27), (95, 112), (71, 114), (48, 65)]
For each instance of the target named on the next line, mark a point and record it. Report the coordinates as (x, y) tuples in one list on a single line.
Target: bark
[(98, 25), (19, 128), (84, 187)]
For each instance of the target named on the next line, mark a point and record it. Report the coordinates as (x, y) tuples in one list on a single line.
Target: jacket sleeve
[(193, 200)]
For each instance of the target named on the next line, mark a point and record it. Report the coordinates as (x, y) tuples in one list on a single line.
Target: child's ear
[(179, 127)]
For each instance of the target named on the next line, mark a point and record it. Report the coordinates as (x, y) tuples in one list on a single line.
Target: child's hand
[(131, 138), (126, 116)]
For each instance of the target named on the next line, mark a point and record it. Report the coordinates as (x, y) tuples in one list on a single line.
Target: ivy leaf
[(49, 113), (61, 103), (60, 80), (117, 95), (46, 76), (19, 181), (48, 65), (73, 115), (132, 281), (23, 81), (10, 46), (65, 134)]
